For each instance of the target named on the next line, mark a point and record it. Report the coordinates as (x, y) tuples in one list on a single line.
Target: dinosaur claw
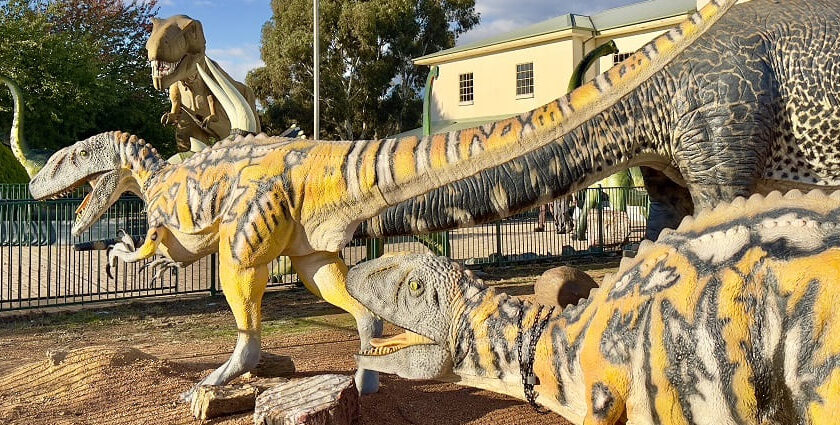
[(127, 239)]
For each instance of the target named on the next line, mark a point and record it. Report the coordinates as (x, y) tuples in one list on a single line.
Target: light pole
[(316, 68)]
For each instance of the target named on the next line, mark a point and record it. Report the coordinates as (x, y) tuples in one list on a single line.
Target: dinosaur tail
[(236, 107), (482, 174)]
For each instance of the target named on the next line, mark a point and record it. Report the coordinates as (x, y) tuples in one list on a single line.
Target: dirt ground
[(111, 382)]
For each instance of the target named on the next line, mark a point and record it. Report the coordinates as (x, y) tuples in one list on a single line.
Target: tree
[(369, 86), (83, 69)]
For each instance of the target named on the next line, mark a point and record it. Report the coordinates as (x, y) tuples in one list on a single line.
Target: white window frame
[(525, 75), (466, 88)]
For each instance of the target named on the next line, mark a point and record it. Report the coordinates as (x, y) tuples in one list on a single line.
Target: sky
[(233, 27)]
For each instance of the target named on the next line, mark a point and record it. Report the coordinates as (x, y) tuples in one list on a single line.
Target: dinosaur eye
[(415, 285), (83, 153)]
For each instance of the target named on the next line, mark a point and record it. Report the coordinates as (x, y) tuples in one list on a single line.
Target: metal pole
[(316, 68)]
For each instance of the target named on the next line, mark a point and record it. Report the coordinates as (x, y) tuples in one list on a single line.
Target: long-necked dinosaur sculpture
[(252, 199), (749, 107), (730, 319), (32, 160)]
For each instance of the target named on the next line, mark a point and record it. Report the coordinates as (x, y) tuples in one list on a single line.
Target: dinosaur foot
[(121, 250), (160, 266), (367, 381)]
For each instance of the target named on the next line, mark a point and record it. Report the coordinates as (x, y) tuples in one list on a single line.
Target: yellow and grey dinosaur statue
[(176, 49), (730, 319), (254, 198)]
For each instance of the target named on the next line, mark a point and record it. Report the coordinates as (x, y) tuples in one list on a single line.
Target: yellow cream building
[(521, 70)]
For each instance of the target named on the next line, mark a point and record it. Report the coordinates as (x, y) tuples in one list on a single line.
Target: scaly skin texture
[(750, 107), (176, 49), (254, 198), (730, 319)]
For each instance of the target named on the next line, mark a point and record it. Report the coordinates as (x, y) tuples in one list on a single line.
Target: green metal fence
[(39, 266)]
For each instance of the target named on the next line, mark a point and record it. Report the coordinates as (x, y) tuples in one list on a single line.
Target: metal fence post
[(447, 248), (600, 219), (498, 242), (213, 259)]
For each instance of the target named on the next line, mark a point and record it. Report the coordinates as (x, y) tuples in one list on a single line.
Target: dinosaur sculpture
[(32, 160), (747, 108), (730, 319), (176, 50), (254, 198)]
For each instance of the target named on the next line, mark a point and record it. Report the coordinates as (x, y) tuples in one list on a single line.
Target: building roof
[(636, 13)]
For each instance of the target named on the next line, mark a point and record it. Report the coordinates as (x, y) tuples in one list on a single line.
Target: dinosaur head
[(97, 161), (175, 46), (422, 294)]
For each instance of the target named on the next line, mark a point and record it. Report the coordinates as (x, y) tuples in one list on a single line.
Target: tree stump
[(562, 286), (317, 400), (212, 401), (273, 366)]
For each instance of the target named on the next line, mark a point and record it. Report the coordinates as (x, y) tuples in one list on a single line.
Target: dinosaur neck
[(616, 121), (490, 342), (576, 79), (19, 148), (139, 158), (629, 133)]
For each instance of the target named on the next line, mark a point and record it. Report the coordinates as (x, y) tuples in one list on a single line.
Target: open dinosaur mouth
[(69, 189), (385, 346), (163, 68), (86, 201)]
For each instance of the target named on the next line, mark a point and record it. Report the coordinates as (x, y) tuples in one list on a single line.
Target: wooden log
[(213, 401), (317, 400), (562, 286), (273, 366)]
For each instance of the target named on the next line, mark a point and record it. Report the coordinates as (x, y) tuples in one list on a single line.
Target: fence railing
[(39, 266)]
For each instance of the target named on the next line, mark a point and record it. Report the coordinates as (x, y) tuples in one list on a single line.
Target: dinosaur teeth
[(163, 68), (379, 351)]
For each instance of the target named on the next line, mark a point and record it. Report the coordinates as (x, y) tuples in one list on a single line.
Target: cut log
[(317, 400), (562, 286), (273, 366), (212, 401)]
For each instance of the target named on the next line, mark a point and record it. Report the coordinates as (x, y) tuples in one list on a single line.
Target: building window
[(525, 80), (621, 57), (465, 88)]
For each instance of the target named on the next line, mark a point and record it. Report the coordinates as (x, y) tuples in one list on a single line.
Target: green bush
[(10, 169)]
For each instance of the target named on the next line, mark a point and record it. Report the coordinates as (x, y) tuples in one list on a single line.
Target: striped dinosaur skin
[(730, 319), (750, 107), (254, 198)]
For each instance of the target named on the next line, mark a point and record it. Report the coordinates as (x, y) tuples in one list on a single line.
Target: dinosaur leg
[(669, 202), (325, 275), (243, 288)]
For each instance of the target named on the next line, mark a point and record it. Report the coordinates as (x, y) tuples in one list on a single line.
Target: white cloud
[(237, 60), (500, 16)]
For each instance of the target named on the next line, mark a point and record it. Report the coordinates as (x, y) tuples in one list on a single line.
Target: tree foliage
[(82, 67), (369, 86)]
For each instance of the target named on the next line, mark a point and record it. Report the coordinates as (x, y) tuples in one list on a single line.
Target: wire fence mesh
[(39, 266)]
